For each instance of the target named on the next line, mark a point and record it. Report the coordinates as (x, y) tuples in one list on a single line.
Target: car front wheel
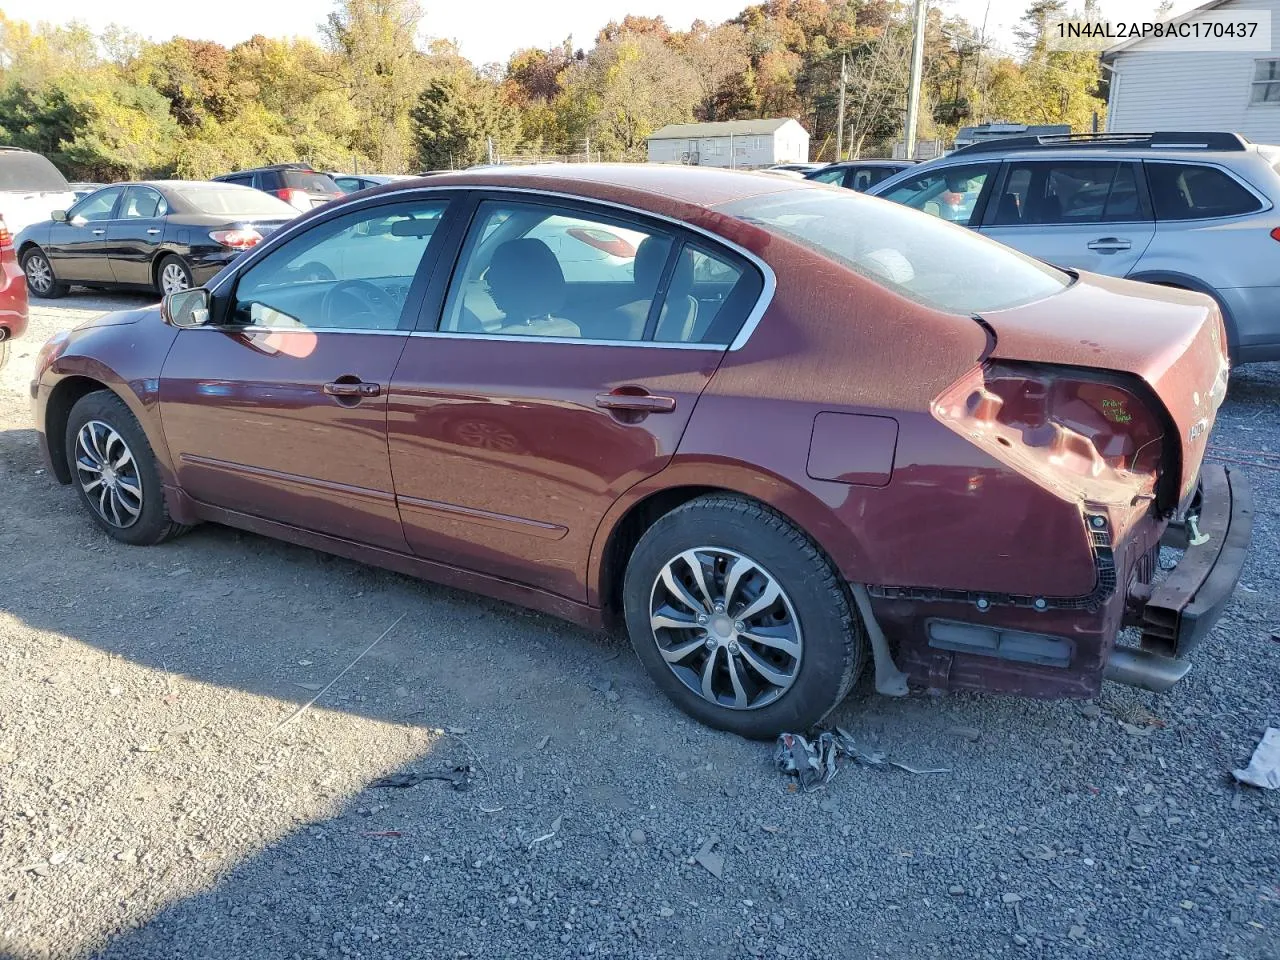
[(741, 619), (114, 471), (40, 277)]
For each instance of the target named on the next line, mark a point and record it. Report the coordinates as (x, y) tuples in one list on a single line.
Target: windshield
[(233, 201), (30, 172), (921, 257)]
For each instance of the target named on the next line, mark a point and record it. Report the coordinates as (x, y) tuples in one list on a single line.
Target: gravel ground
[(151, 804)]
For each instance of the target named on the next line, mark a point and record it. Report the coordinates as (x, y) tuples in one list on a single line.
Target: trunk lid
[(1173, 340)]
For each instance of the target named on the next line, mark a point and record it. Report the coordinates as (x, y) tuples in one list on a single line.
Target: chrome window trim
[(517, 338), (258, 328), (767, 291)]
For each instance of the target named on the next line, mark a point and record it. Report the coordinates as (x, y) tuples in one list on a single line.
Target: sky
[(486, 30)]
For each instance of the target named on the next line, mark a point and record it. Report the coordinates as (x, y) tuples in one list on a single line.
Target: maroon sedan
[(773, 428), (13, 295)]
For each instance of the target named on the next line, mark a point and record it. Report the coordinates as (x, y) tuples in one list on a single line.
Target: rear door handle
[(341, 388), (98, 233), (1109, 244), (638, 402)]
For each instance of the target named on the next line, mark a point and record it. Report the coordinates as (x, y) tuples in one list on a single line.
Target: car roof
[(649, 184), (879, 162)]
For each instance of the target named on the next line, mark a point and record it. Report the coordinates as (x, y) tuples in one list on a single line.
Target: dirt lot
[(151, 805)]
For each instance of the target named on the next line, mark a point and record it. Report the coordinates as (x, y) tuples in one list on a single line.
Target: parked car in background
[(1193, 210), (31, 188), (82, 190), (800, 168), (13, 295), (294, 183), (162, 235), (351, 182), (860, 175), (724, 447)]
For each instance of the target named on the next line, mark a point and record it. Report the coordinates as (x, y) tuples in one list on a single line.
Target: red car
[(13, 295), (787, 424)]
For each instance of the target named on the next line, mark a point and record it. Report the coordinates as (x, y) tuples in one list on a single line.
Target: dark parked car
[(164, 235), (858, 175), (351, 182), (771, 425), (13, 295), (294, 183)]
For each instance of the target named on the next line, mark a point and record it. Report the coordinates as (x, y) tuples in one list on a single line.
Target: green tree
[(378, 64), (456, 116)]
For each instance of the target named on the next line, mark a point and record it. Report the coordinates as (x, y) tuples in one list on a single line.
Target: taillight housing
[(1090, 437), (6, 238), (241, 238)]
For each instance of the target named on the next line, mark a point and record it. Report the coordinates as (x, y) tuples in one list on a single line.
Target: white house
[(742, 144), (1160, 84)]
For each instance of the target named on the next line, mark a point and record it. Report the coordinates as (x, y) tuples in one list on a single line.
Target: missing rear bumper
[(1178, 613)]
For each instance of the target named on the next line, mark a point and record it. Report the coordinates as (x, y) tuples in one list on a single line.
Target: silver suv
[(1193, 210)]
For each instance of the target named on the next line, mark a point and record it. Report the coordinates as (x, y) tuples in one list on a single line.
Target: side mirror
[(59, 215), (186, 308)]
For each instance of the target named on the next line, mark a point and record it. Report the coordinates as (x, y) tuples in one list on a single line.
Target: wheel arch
[(1182, 281), (641, 506), (158, 259), (65, 394)]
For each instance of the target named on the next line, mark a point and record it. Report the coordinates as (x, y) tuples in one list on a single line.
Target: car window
[(1189, 191), (96, 206), (919, 257), (708, 298), (829, 176), (1068, 192), (142, 203), (541, 271), (351, 272), (308, 180), (234, 201), (348, 184), (244, 179), (950, 194), (30, 173), (864, 178)]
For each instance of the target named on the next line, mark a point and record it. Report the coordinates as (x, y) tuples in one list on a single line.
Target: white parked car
[(31, 188)]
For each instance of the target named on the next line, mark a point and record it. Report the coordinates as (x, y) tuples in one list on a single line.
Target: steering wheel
[(351, 299)]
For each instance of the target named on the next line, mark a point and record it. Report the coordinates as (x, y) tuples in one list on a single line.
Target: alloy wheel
[(108, 474), (39, 273), (726, 628), (173, 278)]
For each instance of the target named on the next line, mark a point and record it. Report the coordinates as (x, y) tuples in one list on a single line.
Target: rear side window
[(919, 257), (950, 194), (864, 178), (246, 179), (1068, 192), (829, 176), (30, 172), (1189, 191)]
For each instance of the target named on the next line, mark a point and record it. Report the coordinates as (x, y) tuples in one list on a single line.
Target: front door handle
[(635, 402), (98, 233), (1109, 244), (152, 232), (347, 389)]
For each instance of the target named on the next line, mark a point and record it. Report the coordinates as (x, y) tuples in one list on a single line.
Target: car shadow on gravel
[(170, 803)]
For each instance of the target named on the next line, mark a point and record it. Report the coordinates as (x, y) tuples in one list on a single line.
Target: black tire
[(834, 648), (172, 263), (38, 286), (152, 524)]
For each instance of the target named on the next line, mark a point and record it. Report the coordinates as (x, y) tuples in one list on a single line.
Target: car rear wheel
[(741, 619), (115, 472), (173, 275), (40, 277)]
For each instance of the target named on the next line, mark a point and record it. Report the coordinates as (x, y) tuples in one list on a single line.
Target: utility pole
[(840, 112), (917, 68), (489, 143)]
